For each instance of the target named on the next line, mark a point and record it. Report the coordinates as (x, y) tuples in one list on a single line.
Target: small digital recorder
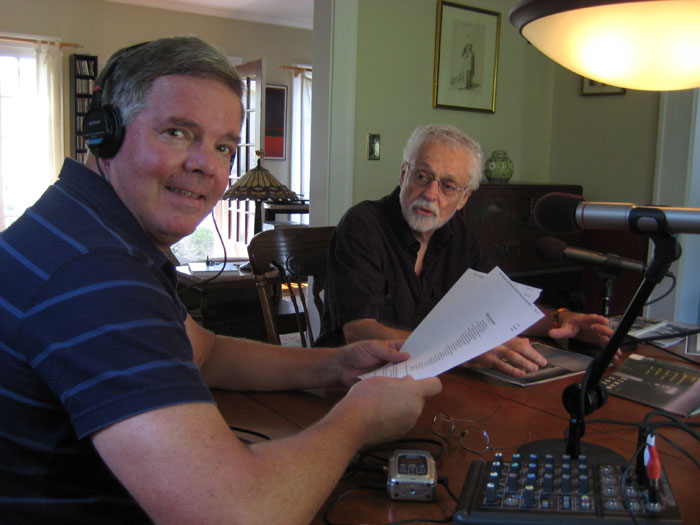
[(411, 476)]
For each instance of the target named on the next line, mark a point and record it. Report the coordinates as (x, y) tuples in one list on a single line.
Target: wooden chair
[(292, 255)]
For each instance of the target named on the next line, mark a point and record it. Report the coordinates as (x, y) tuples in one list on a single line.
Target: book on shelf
[(666, 385), (560, 364)]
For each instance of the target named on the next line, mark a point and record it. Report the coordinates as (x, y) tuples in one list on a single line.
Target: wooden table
[(520, 415)]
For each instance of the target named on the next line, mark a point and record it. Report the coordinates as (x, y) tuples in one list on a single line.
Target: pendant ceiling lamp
[(645, 44)]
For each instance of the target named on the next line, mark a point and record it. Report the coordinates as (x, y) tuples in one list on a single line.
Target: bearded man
[(392, 260)]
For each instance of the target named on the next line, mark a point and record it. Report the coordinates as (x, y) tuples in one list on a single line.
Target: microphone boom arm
[(582, 399)]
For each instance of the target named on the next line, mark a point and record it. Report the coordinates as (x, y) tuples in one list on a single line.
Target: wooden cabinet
[(83, 72), (502, 217)]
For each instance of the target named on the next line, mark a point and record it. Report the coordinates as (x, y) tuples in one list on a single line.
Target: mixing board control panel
[(549, 489)]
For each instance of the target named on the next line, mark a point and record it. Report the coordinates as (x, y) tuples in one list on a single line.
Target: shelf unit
[(83, 72)]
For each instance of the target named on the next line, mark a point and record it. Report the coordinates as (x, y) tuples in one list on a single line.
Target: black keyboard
[(557, 489)]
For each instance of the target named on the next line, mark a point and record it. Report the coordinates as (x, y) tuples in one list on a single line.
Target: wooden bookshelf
[(83, 72)]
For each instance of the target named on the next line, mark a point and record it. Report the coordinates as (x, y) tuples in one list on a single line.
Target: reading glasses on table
[(473, 437)]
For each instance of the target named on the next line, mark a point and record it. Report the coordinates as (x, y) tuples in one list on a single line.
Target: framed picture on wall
[(591, 87), (466, 57), (275, 122)]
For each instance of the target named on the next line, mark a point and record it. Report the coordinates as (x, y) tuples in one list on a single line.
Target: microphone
[(565, 212), (557, 250)]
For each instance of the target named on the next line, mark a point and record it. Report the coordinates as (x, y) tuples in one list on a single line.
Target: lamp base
[(595, 453)]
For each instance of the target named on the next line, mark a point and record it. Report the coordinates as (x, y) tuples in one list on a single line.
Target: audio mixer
[(557, 489)]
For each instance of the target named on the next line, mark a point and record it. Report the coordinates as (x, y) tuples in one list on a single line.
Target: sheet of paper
[(480, 312)]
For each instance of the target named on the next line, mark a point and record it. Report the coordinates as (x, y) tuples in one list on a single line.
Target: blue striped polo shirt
[(91, 332)]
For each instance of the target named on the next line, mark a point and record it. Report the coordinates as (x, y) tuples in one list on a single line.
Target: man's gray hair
[(135, 68), (452, 137)]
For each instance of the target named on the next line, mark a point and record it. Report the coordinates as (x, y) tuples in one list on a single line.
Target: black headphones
[(103, 129)]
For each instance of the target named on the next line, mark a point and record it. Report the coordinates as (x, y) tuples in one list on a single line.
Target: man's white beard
[(417, 221)]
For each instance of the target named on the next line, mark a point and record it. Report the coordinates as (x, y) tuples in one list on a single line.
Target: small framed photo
[(275, 121), (373, 146), (466, 57), (591, 88)]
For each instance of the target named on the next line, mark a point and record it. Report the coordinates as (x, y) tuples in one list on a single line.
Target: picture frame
[(593, 88), (466, 57), (275, 122)]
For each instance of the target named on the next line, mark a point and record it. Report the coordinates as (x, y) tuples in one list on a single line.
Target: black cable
[(665, 294), (623, 482), (393, 444), (674, 421), (251, 432), (680, 449), (648, 427), (359, 465), (420, 520), (675, 354), (445, 483), (197, 285), (656, 299), (99, 168), (331, 507)]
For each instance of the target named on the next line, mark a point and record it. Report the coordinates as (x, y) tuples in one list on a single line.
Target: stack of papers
[(480, 312), (662, 332)]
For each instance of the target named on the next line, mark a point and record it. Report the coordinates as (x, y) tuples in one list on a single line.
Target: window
[(31, 147), (301, 132)]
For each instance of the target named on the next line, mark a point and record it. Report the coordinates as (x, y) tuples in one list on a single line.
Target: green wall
[(551, 133), (606, 143)]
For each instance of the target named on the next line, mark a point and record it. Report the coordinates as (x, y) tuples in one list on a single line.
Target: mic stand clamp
[(582, 399), (608, 277)]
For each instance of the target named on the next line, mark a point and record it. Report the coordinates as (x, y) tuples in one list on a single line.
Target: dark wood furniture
[(293, 255), (230, 304), (502, 217), (521, 415), (271, 209)]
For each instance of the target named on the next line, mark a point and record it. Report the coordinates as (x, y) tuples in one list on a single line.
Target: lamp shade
[(644, 44), (259, 184)]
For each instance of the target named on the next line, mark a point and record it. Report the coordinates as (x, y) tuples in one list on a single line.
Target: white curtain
[(50, 90), (301, 132), (31, 124)]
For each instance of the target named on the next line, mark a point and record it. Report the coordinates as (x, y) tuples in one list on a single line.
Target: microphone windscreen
[(550, 248), (556, 212)]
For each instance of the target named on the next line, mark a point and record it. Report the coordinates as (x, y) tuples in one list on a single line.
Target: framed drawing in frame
[(466, 57), (275, 121)]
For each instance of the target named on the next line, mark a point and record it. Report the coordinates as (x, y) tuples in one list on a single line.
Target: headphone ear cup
[(103, 131)]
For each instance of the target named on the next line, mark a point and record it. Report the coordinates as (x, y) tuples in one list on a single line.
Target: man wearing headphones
[(107, 414)]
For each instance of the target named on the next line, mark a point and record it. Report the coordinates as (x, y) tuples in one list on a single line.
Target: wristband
[(556, 322)]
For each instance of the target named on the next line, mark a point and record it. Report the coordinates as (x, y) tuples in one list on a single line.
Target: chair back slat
[(296, 254)]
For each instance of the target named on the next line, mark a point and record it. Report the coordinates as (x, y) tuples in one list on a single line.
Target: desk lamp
[(259, 185), (643, 44)]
